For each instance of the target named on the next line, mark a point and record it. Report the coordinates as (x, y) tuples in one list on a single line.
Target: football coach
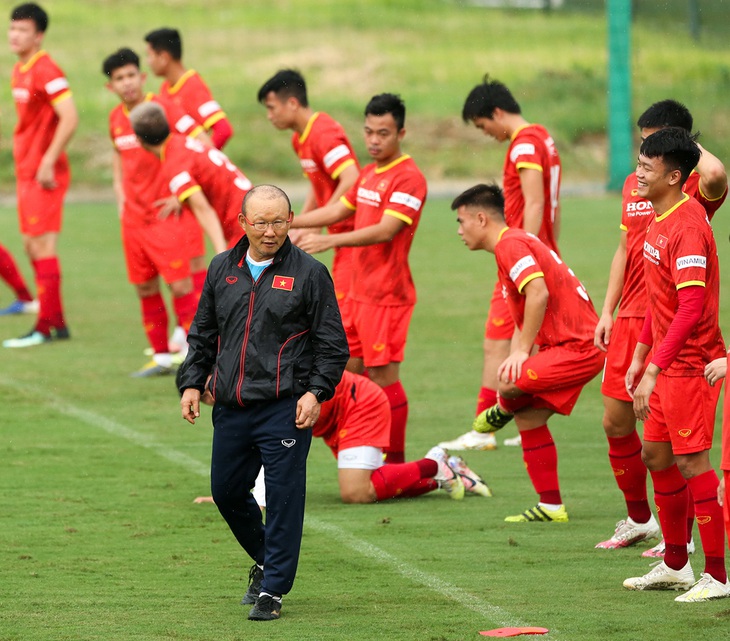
[(269, 329)]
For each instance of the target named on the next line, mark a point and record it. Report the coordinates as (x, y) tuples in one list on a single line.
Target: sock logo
[(231, 279), (288, 442), (703, 520), (684, 433), (618, 472)]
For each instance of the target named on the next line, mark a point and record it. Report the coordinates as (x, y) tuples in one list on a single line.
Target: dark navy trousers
[(243, 440)]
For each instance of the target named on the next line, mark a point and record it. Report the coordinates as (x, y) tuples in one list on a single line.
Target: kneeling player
[(355, 425), (552, 356)]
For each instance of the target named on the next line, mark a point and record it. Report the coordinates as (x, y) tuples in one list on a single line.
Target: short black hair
[(31, 11), (486, 97), (150, 123), (388, 103), (666, 113), (166, 39), (120, 58), (285, 83), (676, 147), (487, 197)]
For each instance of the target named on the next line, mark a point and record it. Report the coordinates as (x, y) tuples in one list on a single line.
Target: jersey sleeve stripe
[(399, 215), (528, 165), (623, 227), (336, 173), (196, 132), (528, 278), (189, 192), (347, 203), (691, 283), (214, 119), (61, 97), (708, 199)]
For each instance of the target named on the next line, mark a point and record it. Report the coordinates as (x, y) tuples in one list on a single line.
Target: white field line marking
[(494, 613)]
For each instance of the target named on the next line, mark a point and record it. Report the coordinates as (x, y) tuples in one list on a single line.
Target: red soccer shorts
[(682, 412), (499, 326), (621, 347), (158, 249), (366, 421), (555, 376), (40, 211), (380, 333), (192, 236), (232, 229), (725, 460), (726, 504)]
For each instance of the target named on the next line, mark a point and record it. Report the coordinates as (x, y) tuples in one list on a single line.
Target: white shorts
[(363, 457)]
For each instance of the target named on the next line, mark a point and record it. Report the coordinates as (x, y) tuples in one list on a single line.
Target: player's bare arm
[(532, 191), (347, 179), (117, 182), (713, 177), (382, 232), (324, 216), (613, 296), (536, 300), (190, 405), (208, 219), (68, 120)]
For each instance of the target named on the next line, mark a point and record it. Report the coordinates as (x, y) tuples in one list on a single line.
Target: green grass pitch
[(100, 539)]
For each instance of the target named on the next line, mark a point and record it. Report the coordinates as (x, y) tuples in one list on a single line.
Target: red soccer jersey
[(532, 147), (192, 97), (680, 251), (189, 166), (380, 273), (37, 86), (324, 152), (570, 319), (635, 216), (142, 179)]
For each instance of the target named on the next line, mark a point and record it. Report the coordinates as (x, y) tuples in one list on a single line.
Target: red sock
[(401, 479), (395, 452), (10, 273), (670, 494), (48, 285), (541, 461), (710, 523), (185, 308), (487, 397), (198, 282), (154, 318), (624, 453), (690, 512), (420, 487)]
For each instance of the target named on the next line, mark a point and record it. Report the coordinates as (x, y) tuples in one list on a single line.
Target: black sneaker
[(267, 608), (61, 334), (255, 576)]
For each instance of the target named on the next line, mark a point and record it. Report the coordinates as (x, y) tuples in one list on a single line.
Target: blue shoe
[(20, 307), (29, 340)]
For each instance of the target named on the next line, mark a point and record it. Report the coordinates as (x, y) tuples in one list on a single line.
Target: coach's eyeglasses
[(261, 225)]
